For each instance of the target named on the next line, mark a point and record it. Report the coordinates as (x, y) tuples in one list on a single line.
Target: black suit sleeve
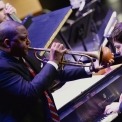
[(12, 82), (72, 73)]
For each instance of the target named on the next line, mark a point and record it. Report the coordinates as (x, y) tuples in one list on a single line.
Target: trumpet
[(104, 55)]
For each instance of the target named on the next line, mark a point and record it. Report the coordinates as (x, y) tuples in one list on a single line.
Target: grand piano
[(84, 100)]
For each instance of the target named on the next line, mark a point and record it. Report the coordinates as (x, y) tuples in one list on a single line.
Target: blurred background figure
[(6, 10), (77, 4), (116, 37), (117, 6)]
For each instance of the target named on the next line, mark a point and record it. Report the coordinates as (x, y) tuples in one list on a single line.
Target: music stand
[(79, 30), (103, 26)]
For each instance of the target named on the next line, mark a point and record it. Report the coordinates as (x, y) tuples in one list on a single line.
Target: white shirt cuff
[(87, 69), (54, 64)]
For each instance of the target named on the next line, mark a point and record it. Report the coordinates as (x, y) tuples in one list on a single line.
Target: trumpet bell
[(105, 55)]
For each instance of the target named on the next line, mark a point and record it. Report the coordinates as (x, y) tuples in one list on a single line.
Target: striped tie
[(53, 110)]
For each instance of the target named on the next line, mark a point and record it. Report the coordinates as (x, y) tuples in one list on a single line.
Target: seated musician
[(117, 40), (5, 10), (116, 37)]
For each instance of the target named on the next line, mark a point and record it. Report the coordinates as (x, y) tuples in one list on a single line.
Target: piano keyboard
[(108, 118)]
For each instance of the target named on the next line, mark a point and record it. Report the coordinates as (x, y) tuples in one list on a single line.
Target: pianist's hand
[(113, 107)]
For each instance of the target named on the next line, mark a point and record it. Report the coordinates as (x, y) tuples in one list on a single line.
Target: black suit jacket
[(22, 96)]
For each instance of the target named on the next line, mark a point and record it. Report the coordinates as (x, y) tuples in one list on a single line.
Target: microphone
[(14, 17)]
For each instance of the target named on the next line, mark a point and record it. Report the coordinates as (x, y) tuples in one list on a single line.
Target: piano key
[(109, 117)]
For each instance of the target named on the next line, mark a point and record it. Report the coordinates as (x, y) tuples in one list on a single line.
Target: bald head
[(8, 29), (14, 38)]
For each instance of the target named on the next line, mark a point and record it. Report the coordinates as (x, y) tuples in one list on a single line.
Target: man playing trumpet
[(24, 88)]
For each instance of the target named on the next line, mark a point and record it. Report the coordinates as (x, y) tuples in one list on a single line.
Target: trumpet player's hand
[(57, 51)]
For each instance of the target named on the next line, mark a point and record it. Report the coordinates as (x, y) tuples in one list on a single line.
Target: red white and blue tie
[(53, 110)]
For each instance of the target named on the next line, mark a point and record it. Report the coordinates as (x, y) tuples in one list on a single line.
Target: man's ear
[(6, 43)]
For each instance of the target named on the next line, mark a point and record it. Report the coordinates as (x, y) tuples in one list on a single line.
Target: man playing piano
[(116, 37)]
